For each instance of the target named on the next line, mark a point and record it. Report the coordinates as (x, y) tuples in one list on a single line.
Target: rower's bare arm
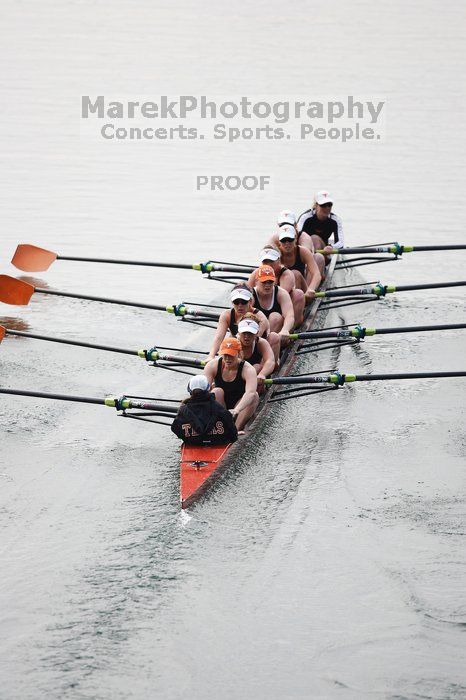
[(220, 334), (268, 358), (250, 390), (313, 276), (264, 325), (287, 281), (251, 282), (340, 241), (306, 240), (210, 370), (286, 304), (273, 240)]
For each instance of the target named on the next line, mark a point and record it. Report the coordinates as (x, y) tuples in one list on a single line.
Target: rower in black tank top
[(280, 273), (234, 390), (256, 357), (275, 305), (298, 263), (332, 226), (233, 326)]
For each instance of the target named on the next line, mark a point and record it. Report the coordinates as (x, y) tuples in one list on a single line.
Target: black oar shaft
[(57, 397), (435, 285), (361, 332), (420, 248), (105, 300), (123, 302), (394, 249), (202, 267), (419, 329), (340, 378), (380, 290), (406, 375), (78, 343), (144, 263), (120, 404)]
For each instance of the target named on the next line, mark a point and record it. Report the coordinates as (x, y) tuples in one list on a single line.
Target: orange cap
[(230, 346), (265, 272)]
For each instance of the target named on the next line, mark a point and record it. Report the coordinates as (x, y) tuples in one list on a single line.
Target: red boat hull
[(199, 467)]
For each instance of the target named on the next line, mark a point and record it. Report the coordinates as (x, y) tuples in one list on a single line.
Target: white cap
[(287, 217), (287, 232), (269, 254), (248, 325), (241, 293), (323, 197), (198, 382)]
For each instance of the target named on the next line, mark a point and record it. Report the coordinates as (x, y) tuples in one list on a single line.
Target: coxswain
[(234, 381), (271, 255), (201, 420), (255, 350), (274, 302), (241, 298), (300, 261), (321, 224)]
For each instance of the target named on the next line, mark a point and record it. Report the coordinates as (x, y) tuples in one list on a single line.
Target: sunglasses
[(327, 205), (240, 301), (286, 240)]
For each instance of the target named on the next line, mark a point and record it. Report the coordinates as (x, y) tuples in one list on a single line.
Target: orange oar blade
[(30, 258), (13, 291), (2, 333)]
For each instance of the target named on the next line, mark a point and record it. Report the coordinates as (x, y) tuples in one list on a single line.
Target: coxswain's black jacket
[(201, 420)]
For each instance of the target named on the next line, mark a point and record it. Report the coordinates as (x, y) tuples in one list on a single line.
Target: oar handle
[(214, 267), (153, 355), (394, 249), (377, 290)]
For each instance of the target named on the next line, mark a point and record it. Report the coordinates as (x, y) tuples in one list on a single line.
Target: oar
[(380, 290), (395, 249), (120, 404), (19, 293), (339, 379), (360, 332), (152, 355), (30, 258)]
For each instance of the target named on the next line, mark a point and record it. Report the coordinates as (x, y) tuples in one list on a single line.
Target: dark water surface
[(330, 562)]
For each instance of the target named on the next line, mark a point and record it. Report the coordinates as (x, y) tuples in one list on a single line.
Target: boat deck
[(201, 466)]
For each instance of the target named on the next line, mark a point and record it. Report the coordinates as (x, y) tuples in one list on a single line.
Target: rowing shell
[(201, 466)]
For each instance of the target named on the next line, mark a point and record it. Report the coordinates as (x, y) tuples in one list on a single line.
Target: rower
[(285, 220), (321, 224), (201, 420), (241, 298), (300, 261), (271, 255), (274, 302), (255, 350), (235, 382)]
